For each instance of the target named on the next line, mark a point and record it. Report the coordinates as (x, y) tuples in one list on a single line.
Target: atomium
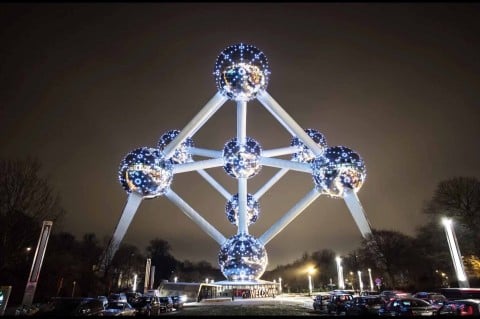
[(253, 209), (241, 74), (241, 71), (338, 168), (144, 171), (305, 155), (242, 160), (182, 153), (242, 257)]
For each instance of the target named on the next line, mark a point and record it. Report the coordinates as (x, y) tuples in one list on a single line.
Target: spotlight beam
[(193, 215), (286, 219), (196, 123)]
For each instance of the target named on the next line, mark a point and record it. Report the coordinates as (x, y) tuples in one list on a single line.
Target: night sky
[(83, 84)]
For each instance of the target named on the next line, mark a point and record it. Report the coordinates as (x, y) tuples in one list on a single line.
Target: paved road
[(280, 305)]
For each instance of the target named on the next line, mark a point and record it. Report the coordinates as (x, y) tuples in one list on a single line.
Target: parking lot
[(285, 305)]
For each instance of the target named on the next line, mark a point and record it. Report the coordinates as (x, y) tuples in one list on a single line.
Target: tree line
[(417, 262)]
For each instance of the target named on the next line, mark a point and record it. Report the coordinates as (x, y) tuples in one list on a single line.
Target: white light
[(341, 283), (370, 277), (455, 253), (135, 282), (360, 282), (175, 279)]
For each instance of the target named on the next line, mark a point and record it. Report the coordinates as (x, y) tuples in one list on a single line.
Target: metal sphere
[(242, 160), (338, 168), (241, 71), (242, 257), (253, 209), (305, 155), (182, 153), (144, 171)]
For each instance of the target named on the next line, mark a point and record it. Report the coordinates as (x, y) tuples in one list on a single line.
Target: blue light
[(242, 257), (182, 153), (338, 168), (241, 71), (145, 172), (253, 209), (305, 155), (242, 160)]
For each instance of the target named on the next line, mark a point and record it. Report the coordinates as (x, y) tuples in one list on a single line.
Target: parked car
[(69, 307), (166, 304), (320, 302), (121, 297), (178, 302), (388, 295), (369, 293), (460, 307), (147, 305), (364, 305), (435, 298), (407, 307), (131, 295), (337, 302), (119, 308), (104, 300)]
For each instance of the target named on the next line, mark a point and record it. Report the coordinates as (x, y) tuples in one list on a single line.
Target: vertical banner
[(152, 277), (37, 263), (147, 275), (4, 295)]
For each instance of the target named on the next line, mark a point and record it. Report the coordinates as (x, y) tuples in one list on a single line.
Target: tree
[(26, 200), (397, 252), (165, 264), (459, 199)]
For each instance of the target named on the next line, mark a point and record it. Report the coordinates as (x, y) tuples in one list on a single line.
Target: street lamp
[(175, 279), (455, 253), (311, 270), (360, 282), (280, 281), (370, 277), (341, 283), (134, 282)]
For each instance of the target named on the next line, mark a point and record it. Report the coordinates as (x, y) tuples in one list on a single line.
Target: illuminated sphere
[(305, 155), (144, 171), (242, 160), (338, 168), (241, 71), (253, 209), (182, 153), (242, 257)]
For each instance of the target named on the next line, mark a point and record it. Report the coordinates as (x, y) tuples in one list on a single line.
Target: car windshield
[(116, 305)]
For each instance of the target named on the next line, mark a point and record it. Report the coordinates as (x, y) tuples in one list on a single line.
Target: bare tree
[(26, 199), (459, 198)]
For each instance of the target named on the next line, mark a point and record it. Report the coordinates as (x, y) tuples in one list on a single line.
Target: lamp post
[(280, 285), (370, 278), (455, 253), (311, 270), (341, 283), (360, 282), (175, 279)]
